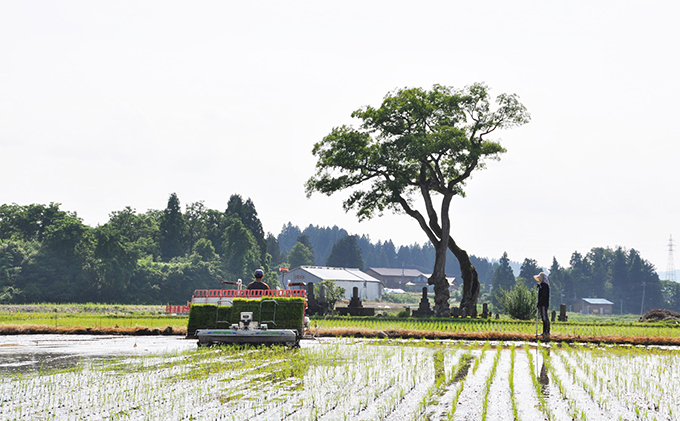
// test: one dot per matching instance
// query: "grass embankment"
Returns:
(90, 319)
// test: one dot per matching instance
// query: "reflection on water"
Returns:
(21, 353)
(543, 377)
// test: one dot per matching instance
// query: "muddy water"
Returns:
(35, 352)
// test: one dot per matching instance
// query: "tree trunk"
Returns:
(441, 284)
(470, 280)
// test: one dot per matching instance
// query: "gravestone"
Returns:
(355, 307)
(424, 309)
(485, 311)
(316, 306)
(563, 313)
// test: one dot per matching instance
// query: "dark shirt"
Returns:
(543, 294)
(257, 285)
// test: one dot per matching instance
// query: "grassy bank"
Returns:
(94, 316)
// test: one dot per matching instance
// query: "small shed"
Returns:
(594, 306)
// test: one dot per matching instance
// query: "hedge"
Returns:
(290, 313)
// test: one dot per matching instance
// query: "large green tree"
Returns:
(503, 278)
(418, 142)
(527, 271)
(174, 233)
(300, 255)
(346, 253)
(245, 211)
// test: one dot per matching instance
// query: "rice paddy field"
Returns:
(355, 379)
(589, 330)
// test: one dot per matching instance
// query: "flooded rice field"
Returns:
(169, 378)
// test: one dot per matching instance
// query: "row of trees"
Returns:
(161, 256)
(619, 275)
(47, 254)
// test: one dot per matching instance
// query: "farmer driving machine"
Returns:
(255, 317)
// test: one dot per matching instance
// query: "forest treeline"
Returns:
(160, 256)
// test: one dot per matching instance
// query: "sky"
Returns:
(105, 105)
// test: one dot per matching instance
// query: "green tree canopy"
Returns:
(241, 253)
(174, 232)
(527, 271)
(245, 211)
(300, 255)
(418, 142)
(503, 278)
(346, 253)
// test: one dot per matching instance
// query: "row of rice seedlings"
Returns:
(489, 379)
(574, 411)
(511, 382)
(542, 404)
(486, 347)
(461, 371)
(443, 380)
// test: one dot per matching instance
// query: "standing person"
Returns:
(257, 283)
(544, 302)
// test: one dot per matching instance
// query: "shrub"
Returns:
(519, 302)
(406, 298)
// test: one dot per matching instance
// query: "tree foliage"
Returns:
(300, 255)
(417, 142)
(503, 277)
(346, 253)
(518, 302)
(334, 293)
(174, 231)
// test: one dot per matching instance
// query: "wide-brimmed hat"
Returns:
(540, 277)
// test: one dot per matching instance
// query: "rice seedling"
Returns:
(543, 406)
(511, 383)
(489, 380)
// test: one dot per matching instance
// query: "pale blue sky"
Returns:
(107, 105)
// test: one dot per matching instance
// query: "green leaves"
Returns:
(416, 139)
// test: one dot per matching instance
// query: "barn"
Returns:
(369, 288)
(594, 306)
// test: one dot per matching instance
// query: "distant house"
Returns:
(370, 288)
(417, 284)
(394, 277)
(594, 306)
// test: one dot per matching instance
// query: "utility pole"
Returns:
(670, 268)
(642, 304)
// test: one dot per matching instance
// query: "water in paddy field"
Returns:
(46, 352)
(169, 378)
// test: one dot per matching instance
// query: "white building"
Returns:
(369, 288)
